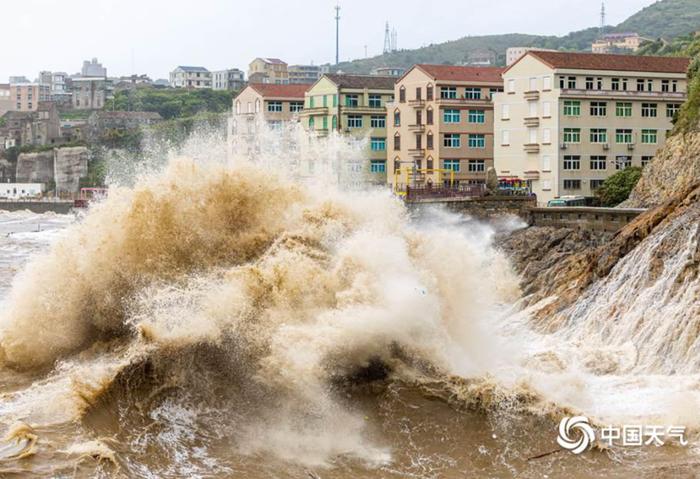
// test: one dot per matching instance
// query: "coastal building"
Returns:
(513, 53)
(190, 77)
(268, 70)
(618, 43)
(355, 105)
(274, 104)
(101, 124)
(90, 93)
(306, 74)
(26, 96)
(93, 68)
(39, 127)
(230, 79)
(6, 103)
(567, 121)
(441, 126)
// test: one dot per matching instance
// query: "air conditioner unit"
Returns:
(606, 146)
(563, 146)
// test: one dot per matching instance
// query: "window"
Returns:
(275, 124)
(572, 184)
(334, 122)
(354, 121)
(649, 137)
(546, 109)
(622, 162)
(572, 163)
(547, 185)
(532, 135)
(650, 85)
(595, 184)
(599, 135)
(451, 116)
(562, 82)
(546, 163)
(311, 102)
(646, 160)
(397, 118)
(533, 84)
(477, 141)
(352, 100)
(599, 83)
(546, 136)
(615, 84)
(599, 163)
(624, 84)
(547, 83)
(511, 86)
(623, 109)
(505, 112)
(532, 109)
(397, 142)
(419, 141)
(477, 166)
(429, 116)
(640, 84)
(674, 86)
(296, 106)
(335, 100)
(599, 108)
(325, 101)
(451, 165)
(325, 122)
(665, 86)
(429, 142)
(429, 92)
(375, 101)
(571, 83)
(477, 116)
(378, 144)
(377, 166)
(312, 123)
(429, 163)
(505, 137)
(402, 94)
(572, 135)
(623, 136)
(274, 106)
(589, 83)
(493, 91)
(377, 121)
(672, 109)
(451, 140)
(448, 92)
(472, 93)
(572, 108)
(419, 93)
(649, 110)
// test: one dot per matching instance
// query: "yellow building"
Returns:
(441, 126)
(567, 121)
(268, 70)
(354, 105)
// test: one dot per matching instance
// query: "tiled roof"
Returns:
(372, 82)
(598, 61)
(194, 69)
(276, 61)
(269, 90)
(463, 73)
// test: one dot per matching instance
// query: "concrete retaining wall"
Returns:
(58, 207)
(482, 207)
(594, 219)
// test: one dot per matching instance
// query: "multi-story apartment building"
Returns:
(26, 96)
(5, 98)
(90, 93)
(306, 73)
(612, 42)
(357, 106)
(441, 125)
(274, 104)
(93, 68)
(190, 77)
(567, 121)
(231, 79)
(268, 70)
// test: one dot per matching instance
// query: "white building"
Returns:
(17, 191)
(190, 77)
(230, 79)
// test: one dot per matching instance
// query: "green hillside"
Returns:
(666, 18)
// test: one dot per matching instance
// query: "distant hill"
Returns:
(665, 18)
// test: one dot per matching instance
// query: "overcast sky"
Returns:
(154, 36)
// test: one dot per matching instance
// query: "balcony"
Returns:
(417, 128)
(657, 95)
(482, 102)
(317, 110)
(533, 95)
(531, 175)
(531, 121)
(416, 152)
(420, 103)
(363, 110)
(531, 147)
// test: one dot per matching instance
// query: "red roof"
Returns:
(466, 74)
(598, 61)
(270, 90)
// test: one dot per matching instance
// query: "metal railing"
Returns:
(456, 191)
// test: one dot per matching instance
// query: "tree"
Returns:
(617, 188)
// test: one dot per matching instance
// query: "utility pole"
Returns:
(602, 17)
(337, 34)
